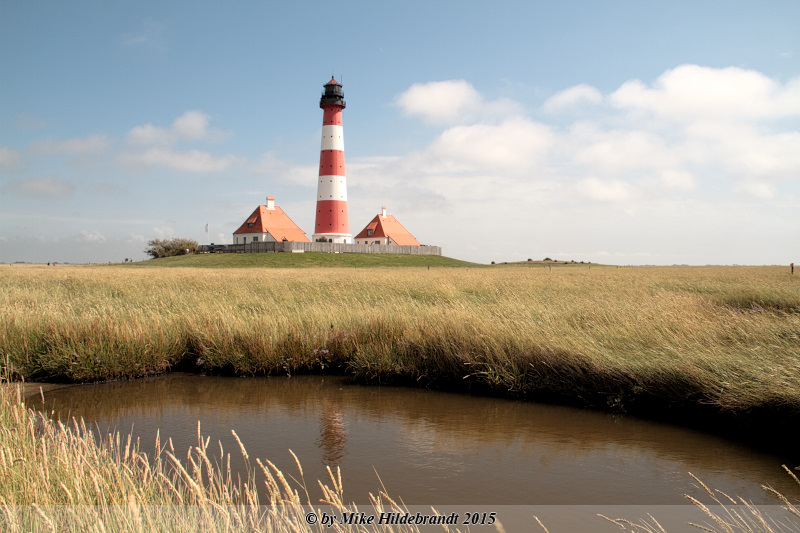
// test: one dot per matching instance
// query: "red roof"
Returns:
(388, 226)
(333, 82)
(272, 221)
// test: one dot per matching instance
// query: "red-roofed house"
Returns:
(268, 223)
(385, 229)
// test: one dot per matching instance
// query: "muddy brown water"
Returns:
(427, 447)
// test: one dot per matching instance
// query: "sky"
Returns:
(618, 132)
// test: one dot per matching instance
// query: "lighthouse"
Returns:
(331, 221)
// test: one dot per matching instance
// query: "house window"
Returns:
(251, 224)
(369, 231)
(377, 242)
(255, 239)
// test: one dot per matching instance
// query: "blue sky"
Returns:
(622, 132)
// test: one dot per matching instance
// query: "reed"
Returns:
(720, 339)
(727, 514)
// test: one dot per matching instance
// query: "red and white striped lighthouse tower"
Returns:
(331, 222)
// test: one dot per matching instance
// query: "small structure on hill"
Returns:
(268, 223)
(385, 229)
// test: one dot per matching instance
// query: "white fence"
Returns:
(326, 247)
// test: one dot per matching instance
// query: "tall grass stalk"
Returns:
(57, 477)
(727, 514)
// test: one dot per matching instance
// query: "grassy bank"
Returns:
(304, 260)
(716, 340)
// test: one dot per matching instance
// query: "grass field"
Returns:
(716, 341)
(723, 340)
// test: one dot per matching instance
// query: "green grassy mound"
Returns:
(304, 260)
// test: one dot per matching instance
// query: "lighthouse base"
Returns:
(338, 238)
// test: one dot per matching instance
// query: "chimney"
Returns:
(270, 203)
(383, 211)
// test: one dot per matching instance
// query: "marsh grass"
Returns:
(719, 339)
(724, 340)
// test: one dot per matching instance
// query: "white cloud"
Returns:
(157, 145)
(691, 93)
(439, 101)
(41, 187)
(614, 151)
(88, 145)
(618, 156)
(451, 102)
(678, 179)
(283, 170)
(149, 134)
(515, 146)
(604, 190)
(742, 152)
(756, 189)
(164, 232)
(573, 97)
(91, 237)
(10, 158)
(763, 155)
(191, 126)
(191, 160)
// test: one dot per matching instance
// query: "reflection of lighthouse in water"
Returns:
(332, 433)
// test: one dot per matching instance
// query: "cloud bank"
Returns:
(697, 165)
(40, 187)
(150, 145)
(637, 162)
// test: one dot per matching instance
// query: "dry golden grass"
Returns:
(722, 337)
(728, 338)
(728, 514)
